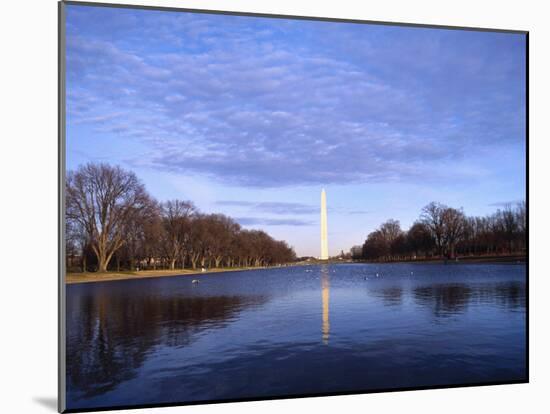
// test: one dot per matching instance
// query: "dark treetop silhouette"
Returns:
(444, 232)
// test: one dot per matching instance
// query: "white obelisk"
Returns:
(324, 235)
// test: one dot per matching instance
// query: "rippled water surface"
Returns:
(296, 330)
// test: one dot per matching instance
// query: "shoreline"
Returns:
(92, 277)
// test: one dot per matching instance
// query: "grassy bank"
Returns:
(89, 277)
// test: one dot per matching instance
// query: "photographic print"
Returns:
(257, 207)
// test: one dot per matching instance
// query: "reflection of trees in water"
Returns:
(392, 295)
(449, 299)
(110, 335)
(509, 295)
(445, 299)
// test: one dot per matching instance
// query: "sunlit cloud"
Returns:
(271, 103)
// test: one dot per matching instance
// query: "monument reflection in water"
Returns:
(325, 292)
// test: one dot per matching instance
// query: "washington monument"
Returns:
(324, 235)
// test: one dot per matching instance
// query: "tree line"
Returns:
(446, 232)
(113, 223)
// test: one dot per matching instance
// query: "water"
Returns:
(289, 331)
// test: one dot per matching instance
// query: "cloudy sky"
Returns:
(252, 117)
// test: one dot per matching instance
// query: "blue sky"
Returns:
(252, 117)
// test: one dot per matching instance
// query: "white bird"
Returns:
(195, 281)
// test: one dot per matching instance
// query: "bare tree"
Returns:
(243, 248)
(420, 239)
(450, 232)
(391, 230)
(260, 247)
(453, 228)
(77, 243)
(509, 225)
(104, 200)
(199, 241)
(432, 217)
(375, 246)
(176, 223)
(221, 229)
(521, 218)
(142, 240)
